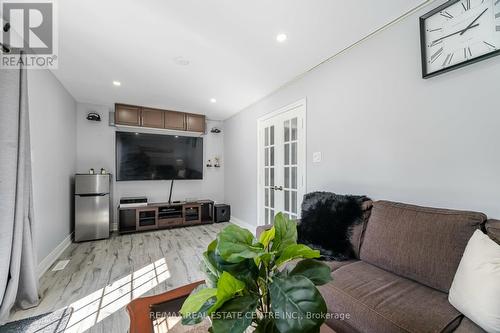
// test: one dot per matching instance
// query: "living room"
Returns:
(309, 166)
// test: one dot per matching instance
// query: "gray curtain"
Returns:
(18, 263)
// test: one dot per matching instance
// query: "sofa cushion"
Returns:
(475, 290)
(334, 265)
(493, 230)
(420, 243)
(379, 301)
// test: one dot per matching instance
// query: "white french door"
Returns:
(281, 162)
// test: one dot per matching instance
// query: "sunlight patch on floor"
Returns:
(95, 307)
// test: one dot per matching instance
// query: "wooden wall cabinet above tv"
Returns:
(152, 118)
(131, 115)
(128, 115)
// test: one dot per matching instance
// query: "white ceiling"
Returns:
(231, 46)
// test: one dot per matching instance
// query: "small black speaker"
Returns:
(222, 213)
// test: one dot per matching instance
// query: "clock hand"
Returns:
(455, 33)
(470, 25)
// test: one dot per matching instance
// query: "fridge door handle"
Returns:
(93, 195)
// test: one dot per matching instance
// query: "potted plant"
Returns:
(249, 283)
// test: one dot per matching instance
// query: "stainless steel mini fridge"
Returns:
(92, 207)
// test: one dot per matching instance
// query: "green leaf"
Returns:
(266, 258)
(212, 246)
(210, 267)
(316, 271)
(267, 236)
(266, 325)
(197, 317)
(195, 306)
(211, 273)
(296, 251)
(285, 232)
(245, 271)
(317, 329)
(235, 244)
(227, 287)
(297, 304)
(209, 264)
(235, 315)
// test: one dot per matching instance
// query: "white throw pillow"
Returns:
(475, 290)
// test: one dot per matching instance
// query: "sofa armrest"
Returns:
(262, 228)
(493, 229)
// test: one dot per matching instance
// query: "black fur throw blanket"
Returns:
(327, 221)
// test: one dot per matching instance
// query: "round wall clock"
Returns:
(458, 33)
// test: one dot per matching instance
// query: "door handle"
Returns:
(280, 188)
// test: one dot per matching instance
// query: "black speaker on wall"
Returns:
(222, 213)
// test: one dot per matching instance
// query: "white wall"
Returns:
(383, 130)
(96, 149)
(53, 143)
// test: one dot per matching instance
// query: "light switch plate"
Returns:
(317, 157)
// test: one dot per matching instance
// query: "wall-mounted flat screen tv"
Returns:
(142, 156)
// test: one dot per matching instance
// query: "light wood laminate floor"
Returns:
(103, 276)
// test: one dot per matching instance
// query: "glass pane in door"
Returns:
(290, 180)
(269, 174)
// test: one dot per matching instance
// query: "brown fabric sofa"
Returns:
(493, 230)
(407, 257)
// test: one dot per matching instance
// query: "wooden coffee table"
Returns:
(146, 313)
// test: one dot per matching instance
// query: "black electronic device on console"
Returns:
(133, 202)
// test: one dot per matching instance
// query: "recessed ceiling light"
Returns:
(117, 83)
(281, 38)
(213, 100)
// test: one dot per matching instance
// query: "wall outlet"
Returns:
(317, 157)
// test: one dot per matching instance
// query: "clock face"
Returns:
(461, 31)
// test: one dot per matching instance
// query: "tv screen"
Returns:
(141, 156)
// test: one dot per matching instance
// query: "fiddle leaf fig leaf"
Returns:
(296, 297)
(196, 305)
(211, 272)
(235, 315)
(212, 246)
(265, 258)
(227, 287)
(285, 232)
(297, 251)
(245, 271)
(267, 236)
(316, 271)
(266, 325)
(235, 244)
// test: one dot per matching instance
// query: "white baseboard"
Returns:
(46, 262)
(252, 228)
